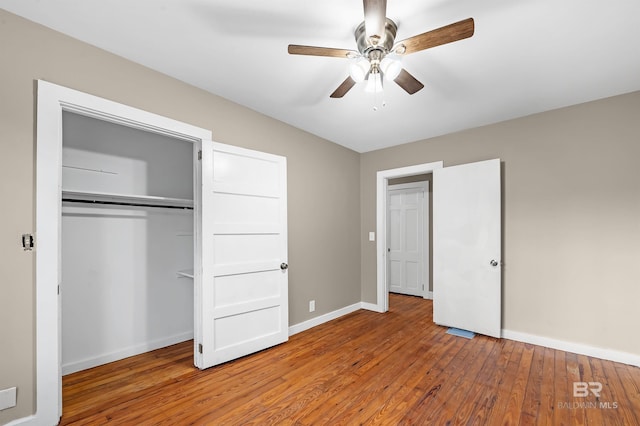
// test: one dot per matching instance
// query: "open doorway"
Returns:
(383, 180)
(466, 243)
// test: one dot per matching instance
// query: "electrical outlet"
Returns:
(312, 305)
(7, 398)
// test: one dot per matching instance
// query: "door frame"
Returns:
(52, 100)
(382, 184)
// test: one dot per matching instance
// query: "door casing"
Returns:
(52, 101)
(382, 184)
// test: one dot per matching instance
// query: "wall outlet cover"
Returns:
(7, 398)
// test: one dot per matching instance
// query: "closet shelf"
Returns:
(188, 273)
(121, 199)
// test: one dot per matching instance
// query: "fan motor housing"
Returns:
(366, 45)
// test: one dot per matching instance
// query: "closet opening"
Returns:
(127, 241)
(135, 212)
(103, 179)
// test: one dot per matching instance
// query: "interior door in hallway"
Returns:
(467, 246)
(407, 237)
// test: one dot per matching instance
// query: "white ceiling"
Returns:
(526, 56)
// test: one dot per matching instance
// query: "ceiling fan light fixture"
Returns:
(374, 83)
(358, 69)
(390, 66)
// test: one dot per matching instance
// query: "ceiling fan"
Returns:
(378, 54)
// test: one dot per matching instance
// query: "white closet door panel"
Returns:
(245, 268)
(245, 308)
(234, 289)
(236, 329)
(233, 249)
(242, 289)
(241, 173)
(239, 209)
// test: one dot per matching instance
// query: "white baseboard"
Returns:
(371, 307)
(578, 348)
(29, 420)
(306, 325)
(72, 367)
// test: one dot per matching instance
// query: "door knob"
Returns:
(283, 266)
(493, 262)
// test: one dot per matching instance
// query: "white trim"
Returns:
(313, 322)
(371, 307)
(578, 348)
(382, 182)
(125, 353)
(607, 354)
(52, 101)
(429, 295)
(30, 420)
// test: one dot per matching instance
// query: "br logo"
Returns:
(582, 389)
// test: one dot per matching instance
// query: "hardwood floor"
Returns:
(363, 368)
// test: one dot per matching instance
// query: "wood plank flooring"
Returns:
(363, 368)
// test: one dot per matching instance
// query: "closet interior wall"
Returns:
(121, 291)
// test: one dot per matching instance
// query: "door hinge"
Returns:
(27, 242)
(200, 347)
(58, 290)
(200, 155)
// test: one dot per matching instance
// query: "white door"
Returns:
(467, 247)
(407, 251)
(241, 294)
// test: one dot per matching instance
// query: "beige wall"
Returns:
(571, 199)
(571, 217)
(323, 179)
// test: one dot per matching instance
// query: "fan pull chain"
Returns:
(375, 97)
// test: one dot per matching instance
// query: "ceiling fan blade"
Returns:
(375, 16)
(408, 82)
(343, 88)
(443, 35)
(296, 49)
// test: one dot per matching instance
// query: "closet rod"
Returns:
(120, 203)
